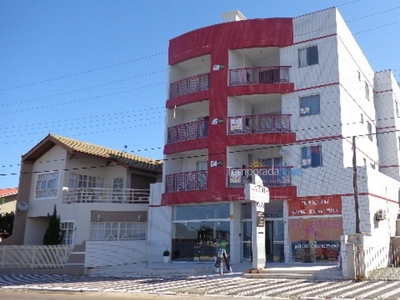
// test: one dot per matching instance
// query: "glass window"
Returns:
(202, 212)
(118, 231)
(366, 90)
(369, 128)
(308, 56)
(311, 156)
(67, 230)
(309, 105)
(47, 185)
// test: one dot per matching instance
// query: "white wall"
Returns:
(159, 225)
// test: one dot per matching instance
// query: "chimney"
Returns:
(232, 16)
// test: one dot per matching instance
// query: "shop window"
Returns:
(308, 56)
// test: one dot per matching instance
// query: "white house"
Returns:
(101, 195)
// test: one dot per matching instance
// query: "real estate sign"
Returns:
(258, 194)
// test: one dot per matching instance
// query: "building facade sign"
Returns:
(315, 206)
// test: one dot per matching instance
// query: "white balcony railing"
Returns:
(103, 195)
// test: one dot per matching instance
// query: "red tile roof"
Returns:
(8, 192)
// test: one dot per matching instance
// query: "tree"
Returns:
(53, 234)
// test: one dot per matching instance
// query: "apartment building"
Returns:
(288, 99)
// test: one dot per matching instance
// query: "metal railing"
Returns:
(266, 123)
(257, 75)
(188, 131)
(189, 85)
(103, 195)
(188, 181)
(34, 256)
(271, 176)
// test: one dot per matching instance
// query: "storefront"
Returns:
(199, 231)
(315, 227)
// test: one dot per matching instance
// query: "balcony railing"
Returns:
(268, 123)
(258, 75)
(189, 85)
(271, 176)
(103, 195)
(188, 181)
(188, 131)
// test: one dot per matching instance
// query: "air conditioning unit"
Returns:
(380, 215)
(304, 110)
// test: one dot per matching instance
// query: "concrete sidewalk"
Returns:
(188, 269)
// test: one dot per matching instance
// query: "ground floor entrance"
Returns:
(199, 231)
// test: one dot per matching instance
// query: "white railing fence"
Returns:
(34, 256)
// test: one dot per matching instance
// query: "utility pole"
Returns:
(355, 186)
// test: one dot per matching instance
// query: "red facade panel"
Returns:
(277, 32)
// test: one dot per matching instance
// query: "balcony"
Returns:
(188, 131)
(103, 195)
(267, 123)
(188, 181)
(258, 75)
(271, 176)
(189, 85)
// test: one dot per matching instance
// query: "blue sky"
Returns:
(97, 70)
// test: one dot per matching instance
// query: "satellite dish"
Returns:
(22, 206)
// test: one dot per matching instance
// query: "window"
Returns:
(366, 90)
(85, 188)
(47, 185)
(311, 156)
(67, 230)
(396, 104)
(369, 128)
(359, 75)
(118, 186)
(308, 56)
(201, 165)
(118, 231)
(309, 105)
(362, 119)
(82, 181)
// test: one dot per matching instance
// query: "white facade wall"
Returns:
(159, 225)
(387, 95)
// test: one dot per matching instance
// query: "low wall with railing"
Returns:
(34, 256)
(114, 253)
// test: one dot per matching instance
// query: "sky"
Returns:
(96, 71)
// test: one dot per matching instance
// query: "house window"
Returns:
(83, 181)
(67, 230)
(85, 188)
(46, 185)
(366, 90)
(369, 128)
(362, 119)
(118, 231)
(396, 104)
(311, 157)
(309, 105)
(359, 75)
(308, 56)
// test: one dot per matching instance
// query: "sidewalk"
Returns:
(189, 269)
